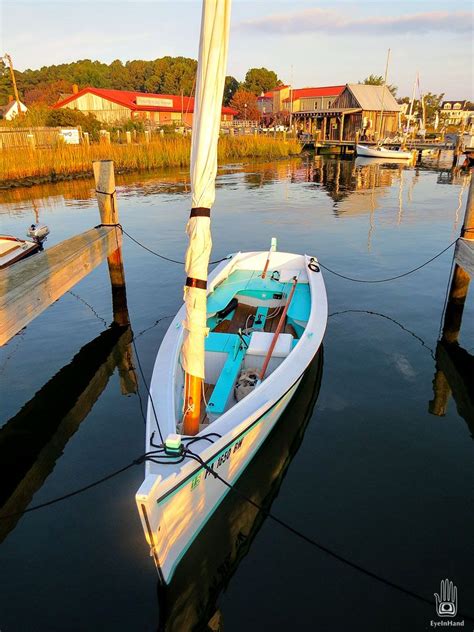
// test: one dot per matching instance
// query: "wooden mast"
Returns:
(210, 80)
(379, 141)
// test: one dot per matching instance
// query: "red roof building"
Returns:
(310, 99)
(117, 106)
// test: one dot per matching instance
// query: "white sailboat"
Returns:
(379, 151)
(234, 354)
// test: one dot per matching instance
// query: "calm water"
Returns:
(357, 463)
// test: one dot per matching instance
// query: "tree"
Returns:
(377, 80)
(230, 88)
(258, 80)
(47, 93)
(432, 103)
(245, 103)
(65, 117)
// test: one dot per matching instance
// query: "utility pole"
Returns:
(15, 89)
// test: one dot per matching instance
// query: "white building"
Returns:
(11, 109)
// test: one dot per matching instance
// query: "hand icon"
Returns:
(447, 601)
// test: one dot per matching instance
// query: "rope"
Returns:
(389, 318)
(157, 254)
(398, 276)
(315, 543)
(156, 456)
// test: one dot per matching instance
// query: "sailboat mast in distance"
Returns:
(212, 64)
(383, 96)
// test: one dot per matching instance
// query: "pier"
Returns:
(32, 285)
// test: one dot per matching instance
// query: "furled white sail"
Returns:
(213, 47)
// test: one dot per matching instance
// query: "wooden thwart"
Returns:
(30, 286)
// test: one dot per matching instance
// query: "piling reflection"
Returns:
(454, 373)
(34, 439)
(190, 601)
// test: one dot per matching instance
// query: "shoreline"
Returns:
(71, 162)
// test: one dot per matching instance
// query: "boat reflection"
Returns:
(190, 601)
(34, 439)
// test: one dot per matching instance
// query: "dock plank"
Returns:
(464, 255)
(30, 286)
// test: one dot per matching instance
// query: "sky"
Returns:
(307, 43)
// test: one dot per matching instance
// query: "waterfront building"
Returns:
(456, 112)
(357, 109)
(311, 99)
(119, 106)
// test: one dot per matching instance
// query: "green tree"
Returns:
(432, 103)
(65, 117)
(230, 88)
(377, 80)
(258, 80)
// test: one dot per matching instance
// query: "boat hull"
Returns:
(173, 520)
(13, 249)
(372, 152)
(178, 495)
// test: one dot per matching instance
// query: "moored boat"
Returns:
(12, 249)
(382, 152)
(235, 353)
(179, 495)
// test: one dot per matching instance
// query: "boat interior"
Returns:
(243, 313)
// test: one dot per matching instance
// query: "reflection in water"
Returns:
(454, 371)
(190, 601)
(34, 439)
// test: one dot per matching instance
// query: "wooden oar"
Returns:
(267, 263)
(277, 331)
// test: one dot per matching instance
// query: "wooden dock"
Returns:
(349, 145)
(30, 286)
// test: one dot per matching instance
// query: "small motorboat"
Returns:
(13, 249)
(382, 152)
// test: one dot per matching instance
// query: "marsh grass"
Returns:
(65, 161)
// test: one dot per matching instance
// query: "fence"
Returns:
(11, 137)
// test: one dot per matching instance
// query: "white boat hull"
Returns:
(381, 152)
(176, 498)
(13, 249)
(178, 516)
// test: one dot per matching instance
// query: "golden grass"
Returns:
(65, 161)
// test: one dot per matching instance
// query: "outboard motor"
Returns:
(38, 233)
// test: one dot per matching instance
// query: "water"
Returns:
(367, 471)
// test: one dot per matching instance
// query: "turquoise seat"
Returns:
(245, 283)
(232, 345)
(226, 291)
(300, 307)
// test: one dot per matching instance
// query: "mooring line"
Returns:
(398, 276)
(389, 318)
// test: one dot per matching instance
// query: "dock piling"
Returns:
(104, 176)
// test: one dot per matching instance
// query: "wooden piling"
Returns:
(147, 137)
(462, 272)
(107, 200)
(128, 136)
(85, 138)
